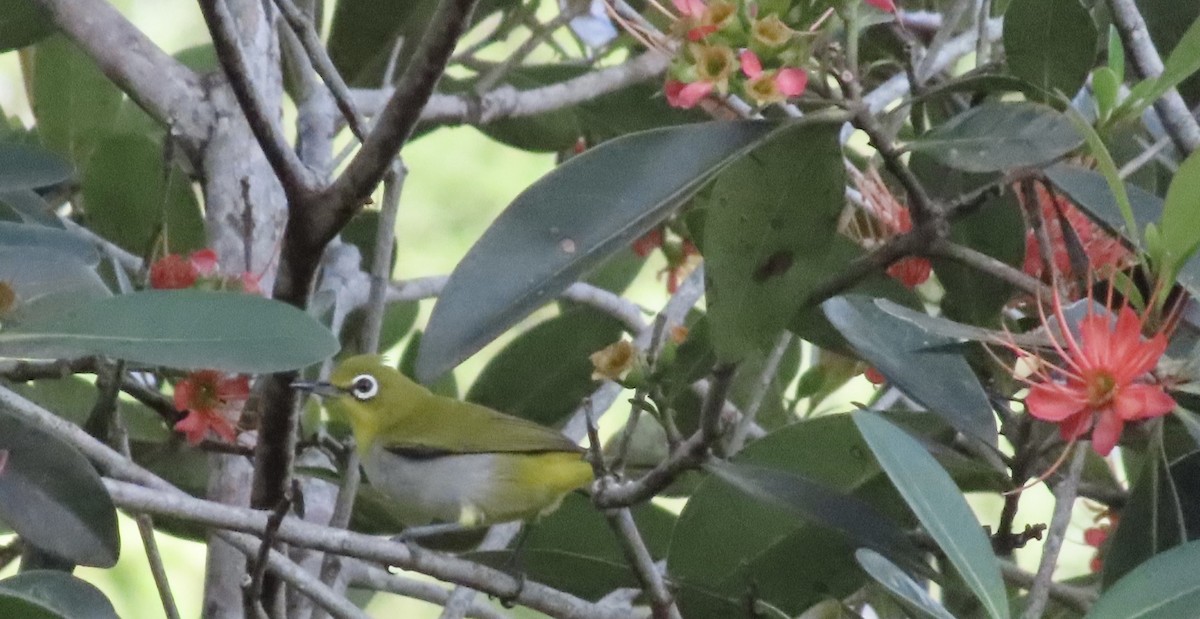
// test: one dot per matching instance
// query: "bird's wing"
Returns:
(448, 426)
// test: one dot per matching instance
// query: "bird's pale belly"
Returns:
(441, 489)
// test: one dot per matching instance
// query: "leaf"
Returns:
(1151, 523)
(998, 136)
(30, 207)
(1180, 225)
(29, 167)
(766, 553)
(24, 236)
(447, 385)
(568, 222)
(184, 329)
(917, 362)
(74, 103)
(22, 22)
(940, 507)
(581, 575)
(52, 497)
(128, 201)
(545, 373)
(1179, 66)
(1050, 43)
(901, 585)
(1164, 586)
(812, 501)
(44, 593)
(758, 233)
(46, 282)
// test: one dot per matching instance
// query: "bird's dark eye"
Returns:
(364, 387)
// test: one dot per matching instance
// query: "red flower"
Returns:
(204, 261)
(648, 242)
(1097, 537)
(1102, 249)
(250, 283)
(883, 5)
(213, 401)
(912, 271)
(1103, 378)
(874, 376)
(890, 218)
(172, 272)
(686, 96)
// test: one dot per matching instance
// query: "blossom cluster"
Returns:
(212, 399)
(739, 46)
(682, 255)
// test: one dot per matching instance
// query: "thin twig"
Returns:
(765, 378)
(381, 261)
(518, 55)
(365, 576)
(662, 602)
(1064, 499)
(987, 264)
(639, 397)
(343, 509)
(253, 589)
(1078, 598)
(292, 173)
(323, 64)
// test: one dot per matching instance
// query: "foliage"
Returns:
(1007, 250)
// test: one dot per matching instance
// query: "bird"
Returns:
(446, 462)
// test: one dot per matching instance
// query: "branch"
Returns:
(987, 264)
(381, 262)
(366, 576)
(293, 175)
(323, 64)
(661, 600)
(169, 92)
(339, 202)
(1077, 598)
(293, 531)
(1064, 499)
(1178, 120)
(508, 102)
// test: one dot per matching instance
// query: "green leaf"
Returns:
(1152, 521)
(856, 519)
(1164, 586)
(45, 593)
(1180, 217)
(22, 22)
(46, 281)
(572, 219)
(1050, 43)
(30, 207)
(758, 233)
(178, 328)
(52, 497)
(74, 103)
(74, 397)
(998, 136)
(447, 385)
(128, 201)
(920, 363)
(1179, 66)
(581, 575)
(767, 553)
(545, 373)
(940, 507)
(24, 236)
(901, 585)
(364, 32)
(578, 527)
(29, 167)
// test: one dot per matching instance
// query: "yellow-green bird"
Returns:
(444, 460)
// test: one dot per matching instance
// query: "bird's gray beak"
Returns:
(319, 388)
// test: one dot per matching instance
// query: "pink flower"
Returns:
(213, 401)
(767, 87)
(689, 8)
(1103, 377)
(686, 96)
(887, 6)
(204, 261)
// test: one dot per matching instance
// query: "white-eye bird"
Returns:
(445, 460)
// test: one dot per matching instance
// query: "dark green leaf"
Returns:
(52, 497)
(1050, 43)
(584, 576)
(770, 212)
(22, 22)
(940, 507)
(74, 103)
(447, 385)
(178, 328)
(766, 554)
(42, 593)
(1152, 522)
(522, 380)
(73, 398)
(398, 320)
(364, 32)
(916, 361)
(1000, 135)
(568, 222)
(1164, 586)
(855, 518)
(23, 236)
(29, 167)
(128, 201)
(901, 585)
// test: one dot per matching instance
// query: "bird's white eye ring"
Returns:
(364, 387)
